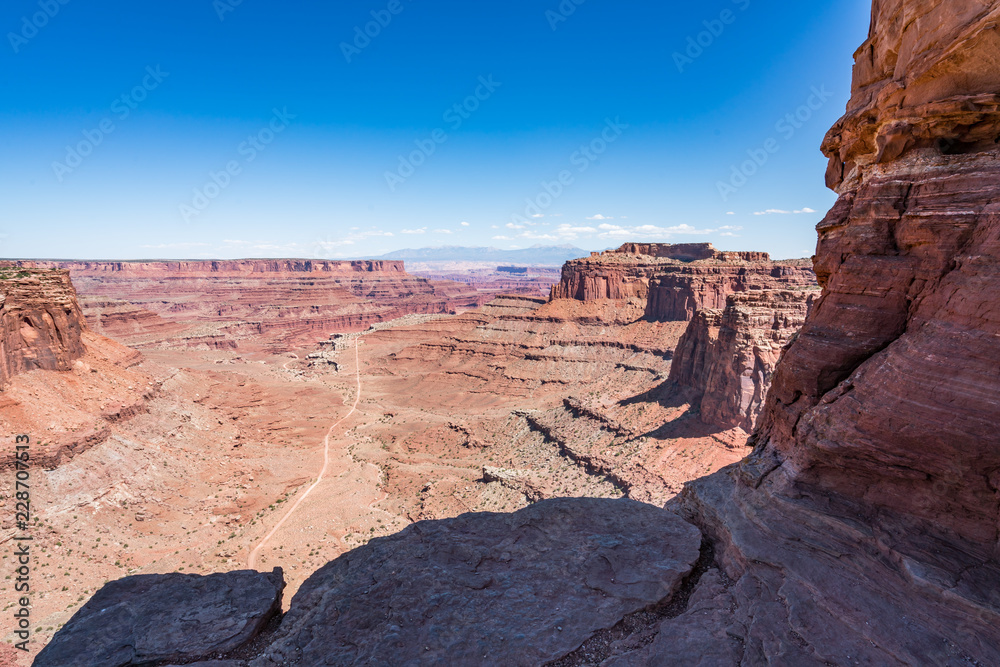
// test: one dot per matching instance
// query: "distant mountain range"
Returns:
(538, 255)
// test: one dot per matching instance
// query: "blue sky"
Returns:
(227, 129)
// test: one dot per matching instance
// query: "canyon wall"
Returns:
(675, 281)
(728, 356)
(40, 321)
(230, 304)
(865, 527)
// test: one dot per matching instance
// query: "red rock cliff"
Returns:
(675, 281)
(41, 321)
(865, 528)
(729, 356)
(277, 302)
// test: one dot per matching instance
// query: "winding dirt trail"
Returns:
(252, 561)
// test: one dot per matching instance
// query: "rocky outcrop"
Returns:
(678, 295)
(729, 356)
(865, 528)
(159, 618)
(675, 281)
(517, 589)
(40, 322)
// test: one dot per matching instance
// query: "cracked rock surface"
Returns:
(502, 589)
(157, 618)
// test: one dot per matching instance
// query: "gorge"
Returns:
(683, 456)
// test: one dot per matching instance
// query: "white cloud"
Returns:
(730, 212)
(502, 238)
(443, 231)
(513, 225)
(323, 247)
(538, 215)
(422, 230)
(464, 224)
(599, 217)
(778, 211)
(164, 246)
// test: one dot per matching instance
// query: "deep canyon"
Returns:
(682, 456)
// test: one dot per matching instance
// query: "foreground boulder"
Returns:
(153, 619)
(500, 589)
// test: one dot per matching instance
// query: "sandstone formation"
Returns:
(40, 322)
(518, 589)
(153, 619)
(865, 528)
(277, 303)
(675, 281)
(729, 356)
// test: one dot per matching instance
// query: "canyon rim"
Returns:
(657, 454)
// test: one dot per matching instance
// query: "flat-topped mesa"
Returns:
(675, 281)
(40, 321)
(689, 252)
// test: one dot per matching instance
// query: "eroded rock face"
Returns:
(152, 619)
(865, 528)
(675, 281)
(729, 356)
(513, 589)
(40, 322)
(226, 304)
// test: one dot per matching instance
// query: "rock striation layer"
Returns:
(675, 281)
(865, 528)
(40, 322)
(227, 304)
(729, 356)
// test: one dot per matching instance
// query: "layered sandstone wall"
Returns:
(675, 281)
(871, 504)
(221, 267)
(897, 365)
(728, 356)
(276, 302)
(40, 322)
(677, 295)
